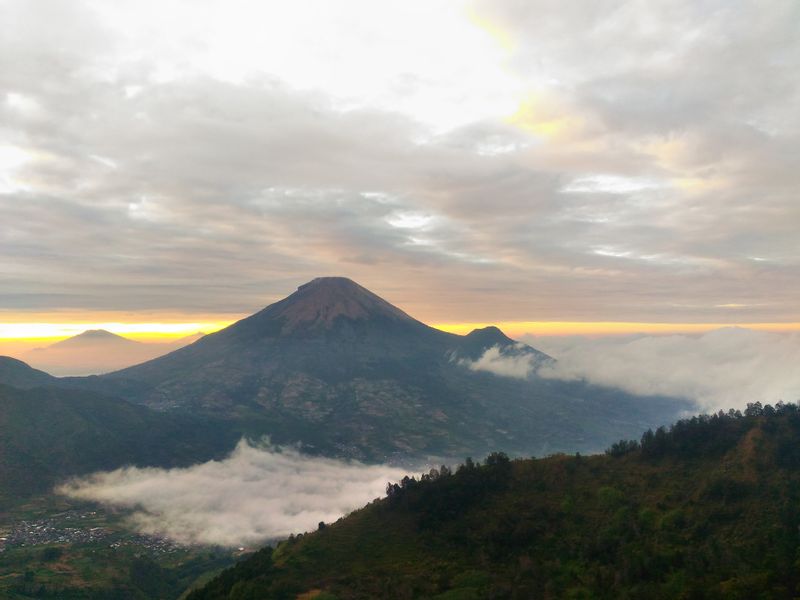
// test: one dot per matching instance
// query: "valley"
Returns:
(332, 369)
(52, 547)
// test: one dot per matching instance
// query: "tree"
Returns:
(754, 409)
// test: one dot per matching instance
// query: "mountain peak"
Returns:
(476, 342)
(97, 334)
(490, 335)
(320, 302)
(93, 336)
(335, 281)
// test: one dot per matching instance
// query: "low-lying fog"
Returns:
(255, 494)
(264, 492)
(721, 369)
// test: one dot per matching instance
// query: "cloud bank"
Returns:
(506, 364)
(255, 494)
(626, 161)
(725, 368)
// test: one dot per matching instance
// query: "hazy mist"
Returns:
(724, 368)
(255, 494)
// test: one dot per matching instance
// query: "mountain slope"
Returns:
(19, 374)
(346, 373)
(92, 338)
(708, 510)
(477, 341)
(49, 434)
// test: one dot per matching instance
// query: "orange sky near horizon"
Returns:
(170, 328)
(607, 328)
(530, 173)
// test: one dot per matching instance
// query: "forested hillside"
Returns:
(49, 434)
(707, 509)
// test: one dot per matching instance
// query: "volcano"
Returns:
(343, 372)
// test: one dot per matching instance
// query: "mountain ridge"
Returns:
(50, 433)
(342, 372)
(16, 373)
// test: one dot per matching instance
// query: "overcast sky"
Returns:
(470, 161)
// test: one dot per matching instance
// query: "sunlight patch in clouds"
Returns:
(11, 159)
(214, 104)
(356, 51)
(409, 220)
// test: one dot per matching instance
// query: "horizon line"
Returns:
(154, 331)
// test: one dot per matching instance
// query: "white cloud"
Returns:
(725, 368)
(358, 52)
(626, 183)
(253, 495)
(611, 184)
(494, 360)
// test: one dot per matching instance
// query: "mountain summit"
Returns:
(321, 301)
(93, 337)
(342, 371)
(324, 304)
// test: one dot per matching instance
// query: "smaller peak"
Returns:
(97, 333)
(92, 336)
(489, 329)
(488, 334)
(478, 341)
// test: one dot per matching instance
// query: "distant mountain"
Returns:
(48, 434)
(99, 351)
(344, 372)
(92, 338)
(708, 510)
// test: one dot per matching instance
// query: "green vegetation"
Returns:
(707, 509)
(49, 434)
(95, 571)
(117, 565)
(17, 373)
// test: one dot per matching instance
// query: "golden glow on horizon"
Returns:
(165, 332)
(554, 328)
(138, 331)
